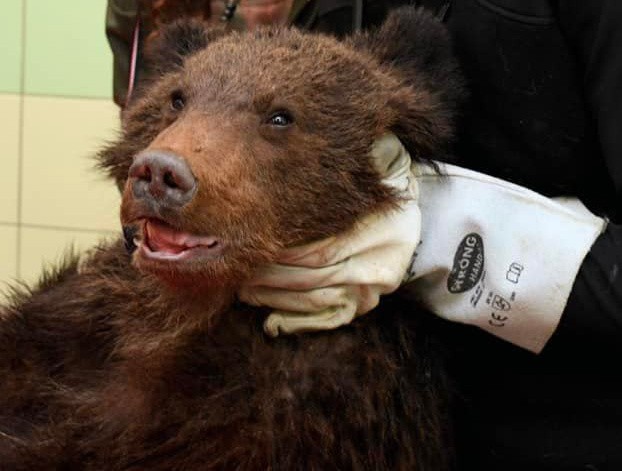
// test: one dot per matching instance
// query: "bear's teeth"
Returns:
(162, 238)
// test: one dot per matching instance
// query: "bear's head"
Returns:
(247, 143)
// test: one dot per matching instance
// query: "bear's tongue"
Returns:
(163, 238)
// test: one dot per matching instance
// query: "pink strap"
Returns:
(133, 60)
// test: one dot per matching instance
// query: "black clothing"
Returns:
(546, 106)
(545, 112)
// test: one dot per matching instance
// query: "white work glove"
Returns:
(328, 283)
(497, 255)
(492, 254)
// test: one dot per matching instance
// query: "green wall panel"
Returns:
(66, 49)
(10, 45)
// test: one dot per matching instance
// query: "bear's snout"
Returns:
(163, 178)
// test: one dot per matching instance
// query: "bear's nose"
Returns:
(163, 177)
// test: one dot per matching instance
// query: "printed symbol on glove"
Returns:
(497, 320)
(500, 304)
(468, 264)
(514, 272)
(477, 295)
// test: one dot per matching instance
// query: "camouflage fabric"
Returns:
(121, 22)
(120, 25)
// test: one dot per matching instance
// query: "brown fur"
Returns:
(129, 364)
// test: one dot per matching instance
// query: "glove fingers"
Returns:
(383, 266)
(373, 231)
(394, 228)
(296, 278)
(316, 254)
(314, 300)
(280, 322)
(392, 161)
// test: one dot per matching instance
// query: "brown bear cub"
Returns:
(244, 144)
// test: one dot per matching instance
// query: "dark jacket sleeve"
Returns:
(594, 309)
(120, 25)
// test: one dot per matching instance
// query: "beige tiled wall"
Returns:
(55, 111)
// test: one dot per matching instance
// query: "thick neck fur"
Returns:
(174, 315)
(149, 316)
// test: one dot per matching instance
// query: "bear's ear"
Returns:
(423, 123)
(414, 47)
(166, 50)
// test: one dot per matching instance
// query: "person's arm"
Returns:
(594, 308)
(491, 254)
(592, 303)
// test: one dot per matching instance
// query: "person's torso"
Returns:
(526, 120)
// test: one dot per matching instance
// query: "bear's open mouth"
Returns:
(163, 242)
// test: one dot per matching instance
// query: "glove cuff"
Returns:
(497, 255)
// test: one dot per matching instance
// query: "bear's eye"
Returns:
(281, 119)
(177, 101)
